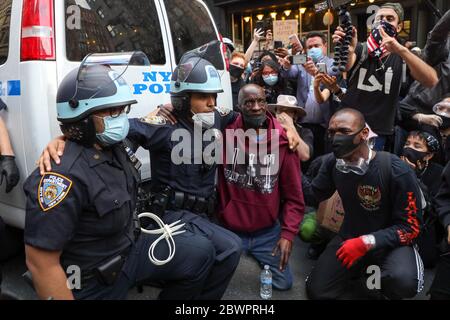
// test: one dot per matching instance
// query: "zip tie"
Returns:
(167, 232)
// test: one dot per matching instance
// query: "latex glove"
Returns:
(351, 251)
(9, 171)
(430, 119)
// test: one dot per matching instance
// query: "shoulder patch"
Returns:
(155, 120)
(52, 190)
(223, 111)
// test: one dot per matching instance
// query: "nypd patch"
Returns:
(52, 190)
(155, 120)
(223, 111)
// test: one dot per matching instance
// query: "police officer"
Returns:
(186, 191)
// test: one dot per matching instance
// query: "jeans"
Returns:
(260, 245)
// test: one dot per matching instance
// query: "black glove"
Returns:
(8, 169)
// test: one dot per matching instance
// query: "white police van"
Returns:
(43, 40)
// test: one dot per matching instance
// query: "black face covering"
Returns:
(343, 144)
(413, 155)
(235, 71)
(254, 122)
(445, 123)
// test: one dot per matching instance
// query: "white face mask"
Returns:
(206, 119)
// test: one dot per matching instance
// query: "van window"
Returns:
(191, 26)
(113, 26)
(5, 18)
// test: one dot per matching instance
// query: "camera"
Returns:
(264, 25)
(297, 59)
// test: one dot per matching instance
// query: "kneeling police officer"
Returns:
(80, 216)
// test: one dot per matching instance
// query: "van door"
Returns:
(190, 26)
(89, 26)
(11, 92)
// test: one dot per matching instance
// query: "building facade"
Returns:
(236, 19)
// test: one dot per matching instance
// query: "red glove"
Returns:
(352, 250)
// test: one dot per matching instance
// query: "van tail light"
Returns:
(38, 30)
(225, 53)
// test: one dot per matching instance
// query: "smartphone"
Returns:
(260, 25)
(322, 67)
(299, 59)
(278, 44)
(293, 38)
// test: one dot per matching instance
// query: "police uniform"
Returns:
(190, 189)
(85, 209)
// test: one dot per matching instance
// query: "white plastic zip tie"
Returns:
(167, 232)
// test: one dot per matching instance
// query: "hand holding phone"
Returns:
(322, 67)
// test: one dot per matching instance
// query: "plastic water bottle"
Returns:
(266, 283)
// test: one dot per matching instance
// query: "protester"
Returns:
(261, 198)
(419, 151)
(376, 70)
(289, 113)
(440, 289)
(382, 205)
(238, 64)
(270, 79)
(318, 114)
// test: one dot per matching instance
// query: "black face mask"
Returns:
(235, 71)
(445, 123)
(414, 156)
(253, 122)
(343, 144)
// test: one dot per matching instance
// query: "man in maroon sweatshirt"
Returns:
(259, 187)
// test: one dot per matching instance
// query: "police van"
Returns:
(41, 41)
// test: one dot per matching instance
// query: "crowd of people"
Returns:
(376, 136)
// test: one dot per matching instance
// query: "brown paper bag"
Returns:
(330, 213)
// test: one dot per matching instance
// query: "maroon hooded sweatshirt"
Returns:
(254, 194)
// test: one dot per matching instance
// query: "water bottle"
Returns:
(266, 283)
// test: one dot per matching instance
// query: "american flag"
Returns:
(373, 45)
(374, 40)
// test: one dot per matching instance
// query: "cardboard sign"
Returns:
(330, 213)
(282, 29)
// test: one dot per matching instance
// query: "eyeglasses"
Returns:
(260, 101)
(115, 112)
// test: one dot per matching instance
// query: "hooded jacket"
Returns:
(258, 186)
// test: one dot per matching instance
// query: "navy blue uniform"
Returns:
(393, 216)
(193, 178)
(85, 209)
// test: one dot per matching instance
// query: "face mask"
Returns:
(206, 119)
(343, 144)
(414, 156)
(235, 71)
(445, 123)
(116, 129)
(271, 80)
(252, 122)
(315, 54)
(374, 39)
(359, 167)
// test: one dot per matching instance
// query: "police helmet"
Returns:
(193, 75)
(84, 91)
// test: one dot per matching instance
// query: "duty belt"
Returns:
(168, 199)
